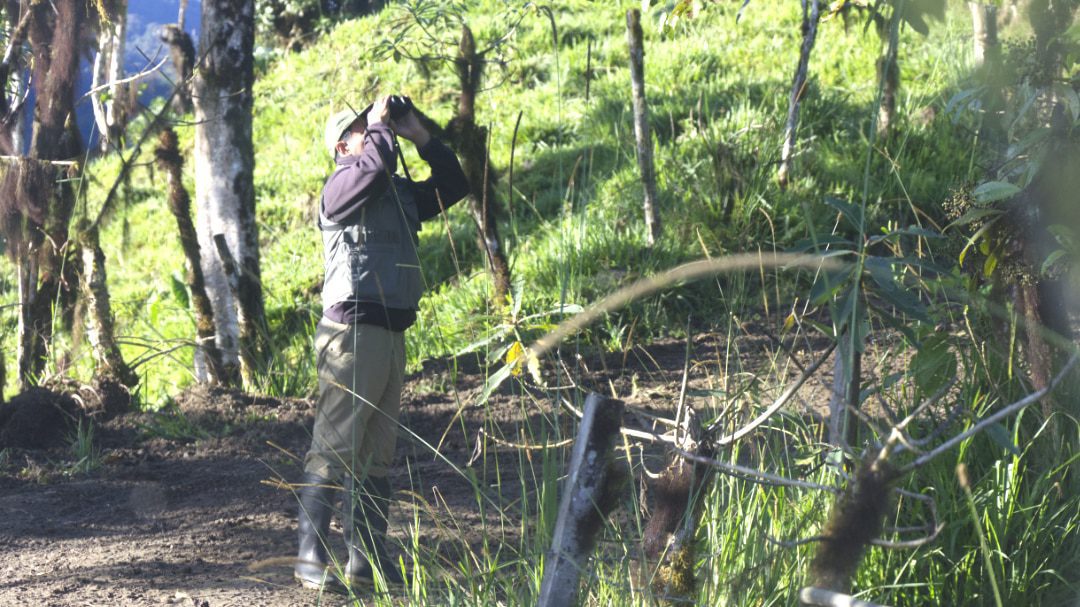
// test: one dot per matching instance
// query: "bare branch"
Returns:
(780, 402)
(131, 78)
(1030, 399)
(684, 273)
(754, 476)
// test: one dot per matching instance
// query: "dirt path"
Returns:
(182, 509)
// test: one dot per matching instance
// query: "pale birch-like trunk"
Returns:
(224, 167)
(109, 103)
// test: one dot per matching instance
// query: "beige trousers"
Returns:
(361, 369)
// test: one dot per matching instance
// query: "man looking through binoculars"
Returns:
(369, 218)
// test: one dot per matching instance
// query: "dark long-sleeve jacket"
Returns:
(363, 179)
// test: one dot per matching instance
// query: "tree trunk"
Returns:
(12, 110)
(208, 365)
(986, 48)
(101, 331)
(472, 144)
(888, 71)
(847, 371)
(224, 166)
(668, 538)
(109, 104)
(54, 37)
(29, 190)
(642, 135)
(798, 85)
(857, 517)
(588, 494)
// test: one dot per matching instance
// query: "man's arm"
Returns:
(361, 178)
(447, 184)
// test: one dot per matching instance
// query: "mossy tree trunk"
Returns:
(472, 144)
(101, 329)
(857, 517)
(208, 364)
(29, 191)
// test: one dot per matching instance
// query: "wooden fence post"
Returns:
(587, 497)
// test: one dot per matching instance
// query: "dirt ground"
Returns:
(189, 509)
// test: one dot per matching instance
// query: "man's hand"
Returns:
(380, 111)
(410, 128)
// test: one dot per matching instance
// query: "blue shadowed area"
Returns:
(143, 49)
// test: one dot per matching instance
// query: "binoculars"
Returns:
(399, 106)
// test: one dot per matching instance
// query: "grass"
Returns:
(85, 453)
(572, 228)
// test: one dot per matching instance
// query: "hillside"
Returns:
(895, 317)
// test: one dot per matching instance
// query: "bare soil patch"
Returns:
(186, 507)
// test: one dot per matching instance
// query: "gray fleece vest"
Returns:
(375, 259)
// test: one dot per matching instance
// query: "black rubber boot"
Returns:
(365, 533)
(316, 495)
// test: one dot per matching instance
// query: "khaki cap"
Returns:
(336, 126)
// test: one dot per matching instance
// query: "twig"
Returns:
(794, 543)
(754, 476)
(996, 417)
(524, 446)
(780, 402)
(132, 78)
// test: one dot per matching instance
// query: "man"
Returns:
(369, 218)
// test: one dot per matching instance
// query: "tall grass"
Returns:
(717, 91)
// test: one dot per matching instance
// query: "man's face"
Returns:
(352, 141)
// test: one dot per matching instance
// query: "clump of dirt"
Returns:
(37, 419)
(107, 397)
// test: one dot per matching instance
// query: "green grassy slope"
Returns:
(572, 225)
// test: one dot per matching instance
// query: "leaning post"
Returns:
(587, 498)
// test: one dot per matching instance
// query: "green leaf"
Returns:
(153, 308)
(179, 291)
(990, 265)
(493, 382)
(933, 365)
(828, 283)
(1000, 435)
(896, 234)
(974, 215)
(1051, 259)
(992, 191)
(806, 245)
(1068, 95)
(849, 211)
(892, 291)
